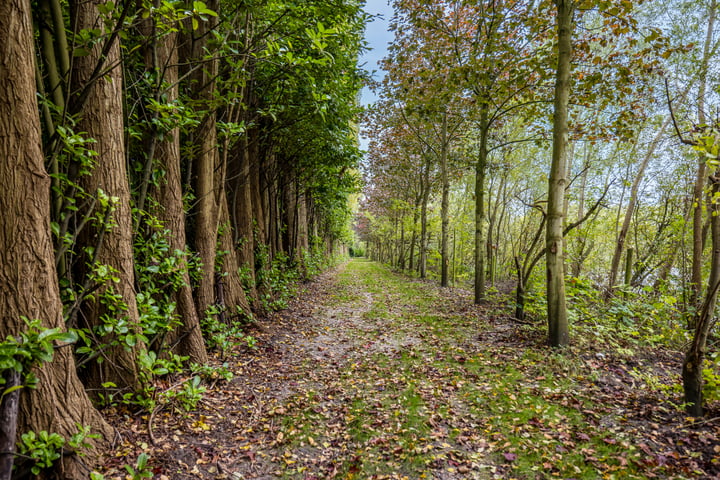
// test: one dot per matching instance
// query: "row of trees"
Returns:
(544, 130)
(198, 155)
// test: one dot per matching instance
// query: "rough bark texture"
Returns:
(28, 280)
(557, 312)
(102, 119)
(205, 163)
(303, 239)
(187, 340)
(258, 190)
(234, 294)
(242, 208)
(480, 170)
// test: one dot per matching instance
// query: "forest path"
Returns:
(374, 375)
(355, 393)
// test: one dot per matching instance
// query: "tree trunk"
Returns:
(206, 163)
(187, 339)
(9, 410)
(28, 280)
(413, 236)
(629, 212)
(445, 203)
(557, 312)
(102, 118)
(233, 292)
(242, 205)
(303, 243)
(401, 259)
(422, 264)
(480, 172)
(700, 178)
(577, 261)
(258, 190)
(695, 357)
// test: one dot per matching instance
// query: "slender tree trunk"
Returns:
(480, 172)
(700, 178)
(632, 202)
(557, 312)
(401, 260)
(303, 243)
(28, 280)
(422, 264)
(102, 118)
(445, 204)
(692, 370)
(413, 237)
(258, 190)
(577, 262)
(695, 357)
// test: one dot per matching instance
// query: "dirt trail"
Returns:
(370, 375)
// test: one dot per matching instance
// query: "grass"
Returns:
(443, 401)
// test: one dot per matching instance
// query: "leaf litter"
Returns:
(373, 375)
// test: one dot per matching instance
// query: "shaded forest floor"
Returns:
(371, 375)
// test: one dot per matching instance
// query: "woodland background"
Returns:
(172, 169)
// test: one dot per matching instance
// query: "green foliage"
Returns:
(31, 348)
(711, 377)
(45, 448)
(141, 469)
(276, 279)
(213, 373)
(191, 393)
(223, 337)
(160, 275)
(153, 366)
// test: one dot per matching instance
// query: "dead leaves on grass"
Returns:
(372, 377)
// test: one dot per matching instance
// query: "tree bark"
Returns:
(205, 160)
(242, 206)
(445, 203)
(102, 118)
(234, 294)
(187, 339)
(700, 178)
(558, 335)
(422, 263)
(28, 280)
(695, 357)
(582, 240)
(480, 172)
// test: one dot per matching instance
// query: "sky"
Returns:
(378, 38)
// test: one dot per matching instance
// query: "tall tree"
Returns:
(558, 334)
(161, 56)
(701, 175)
(107, 243)
(28, 280)
(205, 158)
